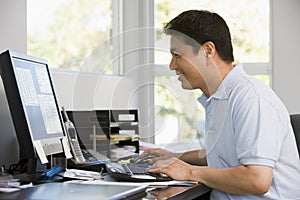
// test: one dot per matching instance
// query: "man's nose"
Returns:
(173, 64)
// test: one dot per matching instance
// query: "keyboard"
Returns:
(134, 172)
(135, 169)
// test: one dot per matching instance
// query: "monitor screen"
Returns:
(32, 102)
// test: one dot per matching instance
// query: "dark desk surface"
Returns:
(179, 193)
(72, 191)
(173, 193)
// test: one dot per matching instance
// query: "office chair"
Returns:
(295, 121)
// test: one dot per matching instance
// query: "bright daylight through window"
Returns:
(71, 34)
(179, 118)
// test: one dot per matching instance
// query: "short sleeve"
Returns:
(257, 132)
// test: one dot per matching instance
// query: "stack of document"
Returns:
(9, 182)
(125, 151)
(6, 180)
(82, 174)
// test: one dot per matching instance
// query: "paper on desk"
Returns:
(82, 174)
(13, 189)
(145, 145)
(159, 183)
(7, 190)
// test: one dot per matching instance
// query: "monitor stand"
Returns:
(34, 173)
(37, 178)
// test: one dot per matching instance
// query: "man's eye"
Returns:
(176, 55)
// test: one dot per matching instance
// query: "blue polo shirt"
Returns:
(247, 124)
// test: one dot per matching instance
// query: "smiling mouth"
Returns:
(181, 77)
(179, 74)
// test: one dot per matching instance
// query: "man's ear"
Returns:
(209, 48)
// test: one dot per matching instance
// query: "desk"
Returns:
(178, 193)
(173, 193)
(74, 191)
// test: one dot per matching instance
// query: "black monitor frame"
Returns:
(22, 124)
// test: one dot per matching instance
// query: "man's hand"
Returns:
(193, 157)
(173, 167)
(158, 154)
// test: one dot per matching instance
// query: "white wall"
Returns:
(13, 33)
(286, 52)
(93, 91)
(12, 36)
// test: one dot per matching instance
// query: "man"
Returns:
(250, 150)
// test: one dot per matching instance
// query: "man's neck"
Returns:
(218, 75)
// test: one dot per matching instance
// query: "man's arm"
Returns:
(194, 157)
(249, 179)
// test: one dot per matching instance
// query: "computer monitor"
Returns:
(33, 106)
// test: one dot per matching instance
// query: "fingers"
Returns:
(173, 167)
(158, 167)
(150, 151)
(162, 166)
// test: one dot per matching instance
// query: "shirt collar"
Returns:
(226, 86)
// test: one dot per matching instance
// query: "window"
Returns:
(80, 34)
(179, 118)
(72, 35)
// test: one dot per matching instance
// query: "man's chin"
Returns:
(184, 83)
(186, 86)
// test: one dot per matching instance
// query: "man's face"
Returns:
(189, 66)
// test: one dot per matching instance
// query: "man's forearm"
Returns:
(236, 180)
(194, 157)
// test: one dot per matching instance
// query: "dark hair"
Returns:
(200, 26)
